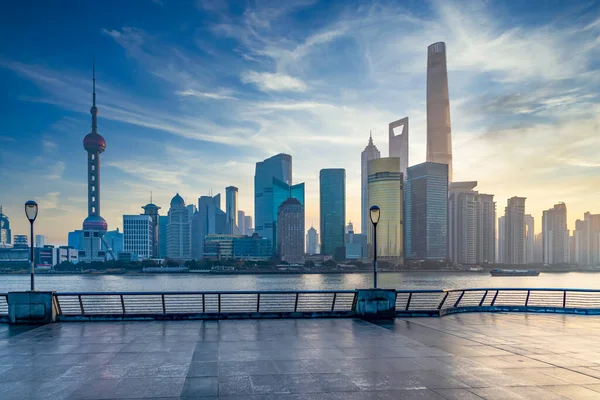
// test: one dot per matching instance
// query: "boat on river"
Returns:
(514, 272)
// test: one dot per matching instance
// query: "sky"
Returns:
(191, 94)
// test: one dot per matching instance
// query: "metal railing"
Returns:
(3, 304)
(155, 304)
(441, 302)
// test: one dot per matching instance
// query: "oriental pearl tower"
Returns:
(94, 226)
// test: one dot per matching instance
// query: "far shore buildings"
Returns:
(332, 200)
(179, 230)
(555, 235)
(290, 231)
(514, 231)
(369, 153)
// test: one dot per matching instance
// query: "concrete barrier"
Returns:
(31, 307)
(375, 304)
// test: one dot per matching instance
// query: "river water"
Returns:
(201, 282)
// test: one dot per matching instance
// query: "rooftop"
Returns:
(466, 356)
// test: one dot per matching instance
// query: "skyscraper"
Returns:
(248, 225)
(555, 235)
(399, 143)
(5, 234)
(138, 235)
(40, 240)
(209, 220)
(179, 230)
(163, 223)
(241, 221)
(514, 231)
(501, 253)
(369, 153)
(529, 239)
(587, 240)
(486, 228)
(290, 231)
(462, 223)
(439, 139)
(332, 193)
(385, 190)
(94, 226)
(312, 241)
(151, 209)
(231, 209)
(426, 223)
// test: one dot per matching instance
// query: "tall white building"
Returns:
(555, 235)
(40, 240)
(138, 235)
(587, 240)
(486, 228)
(462, 223)
(231, 209)
(312, 241)
(179, 232)
(248, 225)
(369, 153)
(500, 256)
(241, 222)
(529, 239)
(514, 234)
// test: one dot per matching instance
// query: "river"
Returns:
(200, 282)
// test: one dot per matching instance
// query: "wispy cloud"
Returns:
(273, 81)
(207, 95)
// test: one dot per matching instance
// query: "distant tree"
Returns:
(169, 262)
(309, 264)
(330, 264)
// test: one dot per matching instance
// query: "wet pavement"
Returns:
(466, 356)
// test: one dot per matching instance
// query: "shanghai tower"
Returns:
(439, 138)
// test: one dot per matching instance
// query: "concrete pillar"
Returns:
(376, 304)
(31, 307)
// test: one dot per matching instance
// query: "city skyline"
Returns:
(535, 105)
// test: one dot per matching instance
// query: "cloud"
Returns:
(268, 82)
(7, 139)
(208, 95)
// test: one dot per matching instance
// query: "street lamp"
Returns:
(31, 211)
(374, 214)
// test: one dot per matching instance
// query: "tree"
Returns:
(309, 264)
(330, 264)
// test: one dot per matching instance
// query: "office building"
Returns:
(555, 235)
(5, 233)
(237, 247)
(486, 228)
(151, 209)
(369, 153)
(113, 242)
(356, 245)
(386, 191)
(462, 223)
(20, 242)
(501, 253)
(587, 240)
(399, 143)
(241, 222)
(163, 223)
(75, 239)
(426, 224)
(209, 220)
(94, 226)
(138, 235)
(514, 231)
(231, 210)
(529, 239)
(248, 225)
(332, 195)
(179, 230)
(40, 240)
(538, 248)
(439, 139)
(312, 241)
(290, 231)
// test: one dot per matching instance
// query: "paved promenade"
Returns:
(468, 356)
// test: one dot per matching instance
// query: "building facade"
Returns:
(113, 241)
(138, 235)
(290, 231)
(386, 191)
(5, 233)
(501, 253)
(426, 223)
(179, 241)
(40, 240)
(231, 210)
(486, 228)
(369, 153)
(241, 222)
(439, 138)
(151, 209)
(332, 196)
(163, 223)
(20, 242)
(248, 225)
(399, 143)
(462, 223)
(312, 241)
(514, 231)
(555, 235)
(529, 239)
(587, 240)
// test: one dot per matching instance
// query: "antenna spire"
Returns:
(94, 109)
(151, 197)
(94, 80)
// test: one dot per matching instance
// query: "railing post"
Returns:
(203, 304)
(483, 298)
(258, 303)
(408, 302)
(56, 301)
(123, 304)
(494, 299)
(296, 305)
(81, 305)
(459, 299)
(219, 302)
(163, 304)
(564, 299)
(527, 298)
(443, 301)
(333, 303)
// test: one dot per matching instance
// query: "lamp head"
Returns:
(31, 210)
(374, 214)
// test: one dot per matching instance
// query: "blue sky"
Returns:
(192, 94)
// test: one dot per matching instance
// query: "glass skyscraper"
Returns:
(333, 209)
(426, 220)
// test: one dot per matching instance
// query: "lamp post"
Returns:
(374, 214)
(31, 211)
